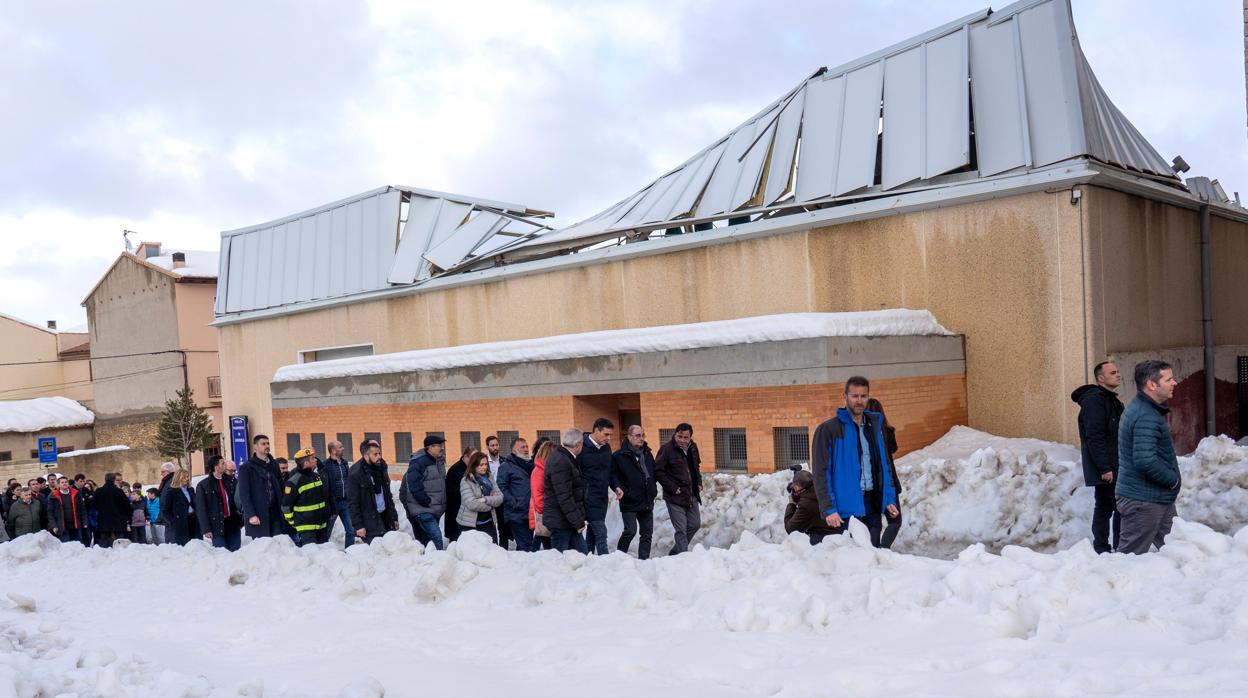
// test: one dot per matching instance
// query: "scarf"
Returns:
(486, 486)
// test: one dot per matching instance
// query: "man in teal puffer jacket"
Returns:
(1148, 471)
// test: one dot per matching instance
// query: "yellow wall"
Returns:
(1007, 274)
(34, 369)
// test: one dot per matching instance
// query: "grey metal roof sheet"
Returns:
(1017, 77)
(362, 244)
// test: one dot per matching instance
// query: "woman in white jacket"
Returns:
(479, 497)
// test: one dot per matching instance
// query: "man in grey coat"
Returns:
(1148, 471)
(423, 492)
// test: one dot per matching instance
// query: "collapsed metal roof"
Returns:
(990, 93)
(353, 246)
(994, 101)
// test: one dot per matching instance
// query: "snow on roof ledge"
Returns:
(89, 451)
(43, 413)
(763, 328)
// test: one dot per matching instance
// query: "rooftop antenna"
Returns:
(125, 235)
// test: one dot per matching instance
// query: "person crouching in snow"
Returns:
(306, 501)
(851, 464)
(802, 512)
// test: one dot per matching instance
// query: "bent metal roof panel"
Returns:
(388, 236)
(992, 103)
(991, 93)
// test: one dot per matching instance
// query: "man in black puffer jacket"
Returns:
(369, 501)
(563, 495)
(1099, 413)
(632, 478)
(595, 464)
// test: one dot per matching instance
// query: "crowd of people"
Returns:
(555, 494)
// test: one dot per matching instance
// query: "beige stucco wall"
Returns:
(20, 444)
(138, 310)
(131, 314)
(1007, 274)
(33, 368)
(1144, 289)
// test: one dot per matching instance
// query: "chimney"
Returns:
(51, 324)
(179, 260)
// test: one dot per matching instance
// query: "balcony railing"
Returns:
(214, 387)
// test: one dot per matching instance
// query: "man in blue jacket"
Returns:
(514, 481)
(423, 492)
(1148, 471)
(850, 466)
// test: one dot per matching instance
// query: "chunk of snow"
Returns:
(43, 413)
(200, 264)
(764, 328)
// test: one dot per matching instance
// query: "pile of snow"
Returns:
(263, 621)
(971, 487)
(200, 264)
(89, 451)
(43, 413)
(764, 328)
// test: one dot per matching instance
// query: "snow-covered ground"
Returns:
(769, 615)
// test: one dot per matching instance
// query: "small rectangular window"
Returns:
(469, 438)
(374, 436)
(665, 435)
(402, 446)
(505, 440)
(307, 356)
(292, 445)
(318, 445)
(792, 446)
(347, 446)
(730, 449)
(34, 453)
(6, 455)
(551, 434)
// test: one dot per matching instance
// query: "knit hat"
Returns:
(433, 440)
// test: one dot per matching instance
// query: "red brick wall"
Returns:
(921, 408)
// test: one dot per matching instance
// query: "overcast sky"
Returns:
(180, 120)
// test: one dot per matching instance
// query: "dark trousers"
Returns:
(521, 534)
(883, 528)
(596, 536)
(1105, 513)
(562, 539)
(303, 538)
(633, 520)
(542, 543)
(504, 530)
(1144, 524)
(425, 529)
(341, 513)
(231, 541)
(138, 534)
(452, 526)
(71, 535)
(105, 538)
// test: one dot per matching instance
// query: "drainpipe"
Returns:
(1206, 304)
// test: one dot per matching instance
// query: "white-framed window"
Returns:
(348, 351)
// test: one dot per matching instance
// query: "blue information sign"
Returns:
(238, 439)
(47, 449)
